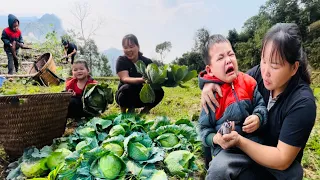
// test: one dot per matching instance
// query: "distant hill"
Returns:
(34, 28)
(113, 54)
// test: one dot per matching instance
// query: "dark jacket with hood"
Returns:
(241, 98)
(8, 35)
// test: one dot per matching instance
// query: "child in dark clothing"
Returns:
(76, 85)
(12, 39)
(241, 103)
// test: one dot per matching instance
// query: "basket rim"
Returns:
(39, 94)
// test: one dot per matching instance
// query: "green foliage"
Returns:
(25, 86)
(180, 163)
(130, 155)
(96, 97)
(248, 43)
(169, 76)
(52, 44)
(193, 60)
(57, 157)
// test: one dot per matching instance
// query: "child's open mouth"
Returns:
(230, 70)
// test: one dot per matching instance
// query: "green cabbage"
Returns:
(168, 140)
(115, 148)
(180, 163)
(117, 130)
(57, 157)
(110, 166)
(96, 98)
(159, 175)
(168, 76)
(105, 164)
(34, 168)
(86, 132)
(140, 148)
(138, 151)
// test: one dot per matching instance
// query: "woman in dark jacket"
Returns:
(131, 81)
(284, 82)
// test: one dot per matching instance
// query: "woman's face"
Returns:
(276, 72)
(130, 50)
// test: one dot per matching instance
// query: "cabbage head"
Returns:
(117, 130)
(168, 140)
(140, 148)
(86, 132)
(115, 148)
(105, 164)
(96, 98)
(34, 168)
(180, 163)
(57, 157)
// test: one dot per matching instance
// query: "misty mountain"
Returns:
(113, 54)
(35, 29)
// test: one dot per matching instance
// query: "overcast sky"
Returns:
(152, 21)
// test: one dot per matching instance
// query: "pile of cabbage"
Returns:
(115, 147)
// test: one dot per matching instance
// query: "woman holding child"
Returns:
(284, 82)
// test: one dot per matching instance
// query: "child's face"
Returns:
(79, 71)
(223, 63)
(15, 26)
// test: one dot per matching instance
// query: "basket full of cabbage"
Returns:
(115, 147)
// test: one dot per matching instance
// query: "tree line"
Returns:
(247, 43)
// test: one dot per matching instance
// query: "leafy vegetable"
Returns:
(174, 136)
(180, 163)
(105, 164)
(168, 140)
(117, 147)
(34, 168)
(168, 76)
(32, 164)
(140, 148)
(159, 175)
(57, 157)
(96, 98)
(117, 130)
(85, 132)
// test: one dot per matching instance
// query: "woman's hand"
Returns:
(143, 80)
(227, 140)
(207, 97)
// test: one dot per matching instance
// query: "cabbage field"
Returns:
(116, 147)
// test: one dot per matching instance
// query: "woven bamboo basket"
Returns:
(45, 69)
(31, 120)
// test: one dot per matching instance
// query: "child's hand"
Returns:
(72, 91)
(251, 124)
